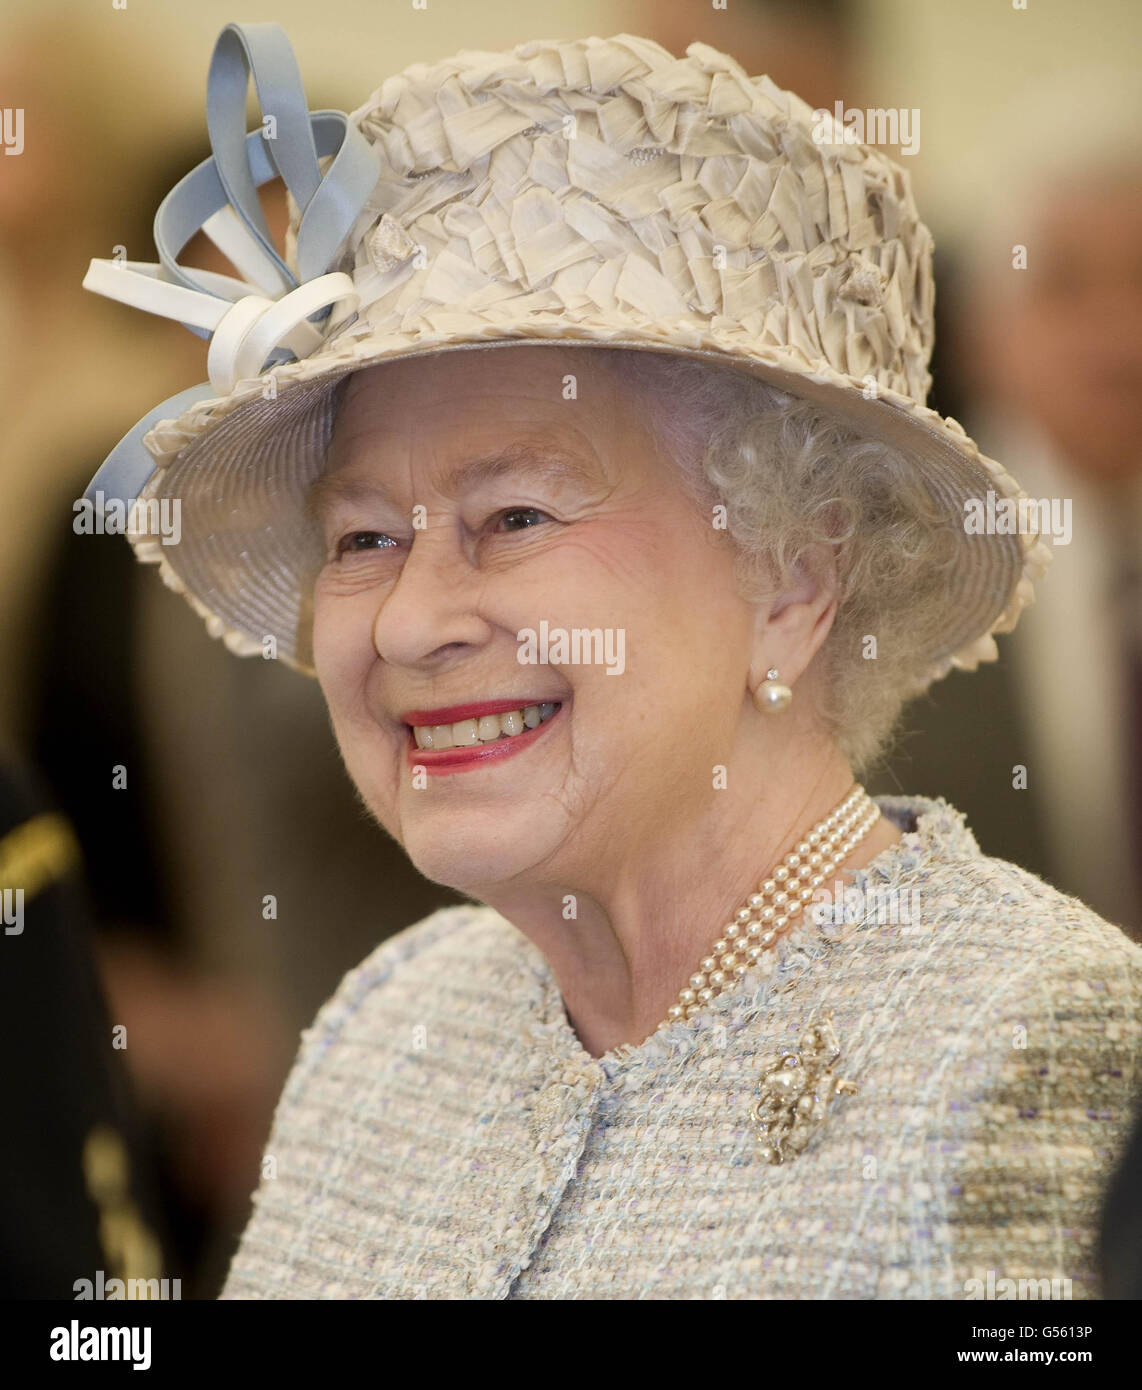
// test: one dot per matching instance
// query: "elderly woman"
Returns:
(578, 447)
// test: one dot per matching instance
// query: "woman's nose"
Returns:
(433, 603)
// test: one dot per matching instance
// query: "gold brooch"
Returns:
(795, 1089)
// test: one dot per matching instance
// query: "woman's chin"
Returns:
(471, 869)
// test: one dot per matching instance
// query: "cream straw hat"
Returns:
(598, 191)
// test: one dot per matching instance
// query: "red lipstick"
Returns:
(442, 761)
(452, 714)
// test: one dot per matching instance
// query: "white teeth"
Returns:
(466, 733)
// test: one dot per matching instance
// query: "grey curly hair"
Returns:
(792, 477)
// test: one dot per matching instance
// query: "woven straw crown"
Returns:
(611, 177)
(604, 192)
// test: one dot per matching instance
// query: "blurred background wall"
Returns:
(234, 790)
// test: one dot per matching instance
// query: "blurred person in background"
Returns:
(67, 186)
(1046, 322)
(80, 1201)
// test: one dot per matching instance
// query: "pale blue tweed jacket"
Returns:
(444, 1135)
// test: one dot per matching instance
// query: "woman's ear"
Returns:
(792, 623)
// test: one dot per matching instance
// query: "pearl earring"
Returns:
(771, 697)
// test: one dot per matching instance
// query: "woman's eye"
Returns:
(363, 540)
(520, 518)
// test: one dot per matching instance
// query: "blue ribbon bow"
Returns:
(273, 315)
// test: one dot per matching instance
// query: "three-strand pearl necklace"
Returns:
(767, 913)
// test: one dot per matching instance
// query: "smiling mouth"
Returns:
(533, 722)
(481, 729)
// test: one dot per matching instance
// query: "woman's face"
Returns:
(471, 497)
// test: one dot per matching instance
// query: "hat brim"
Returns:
(242, 467)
